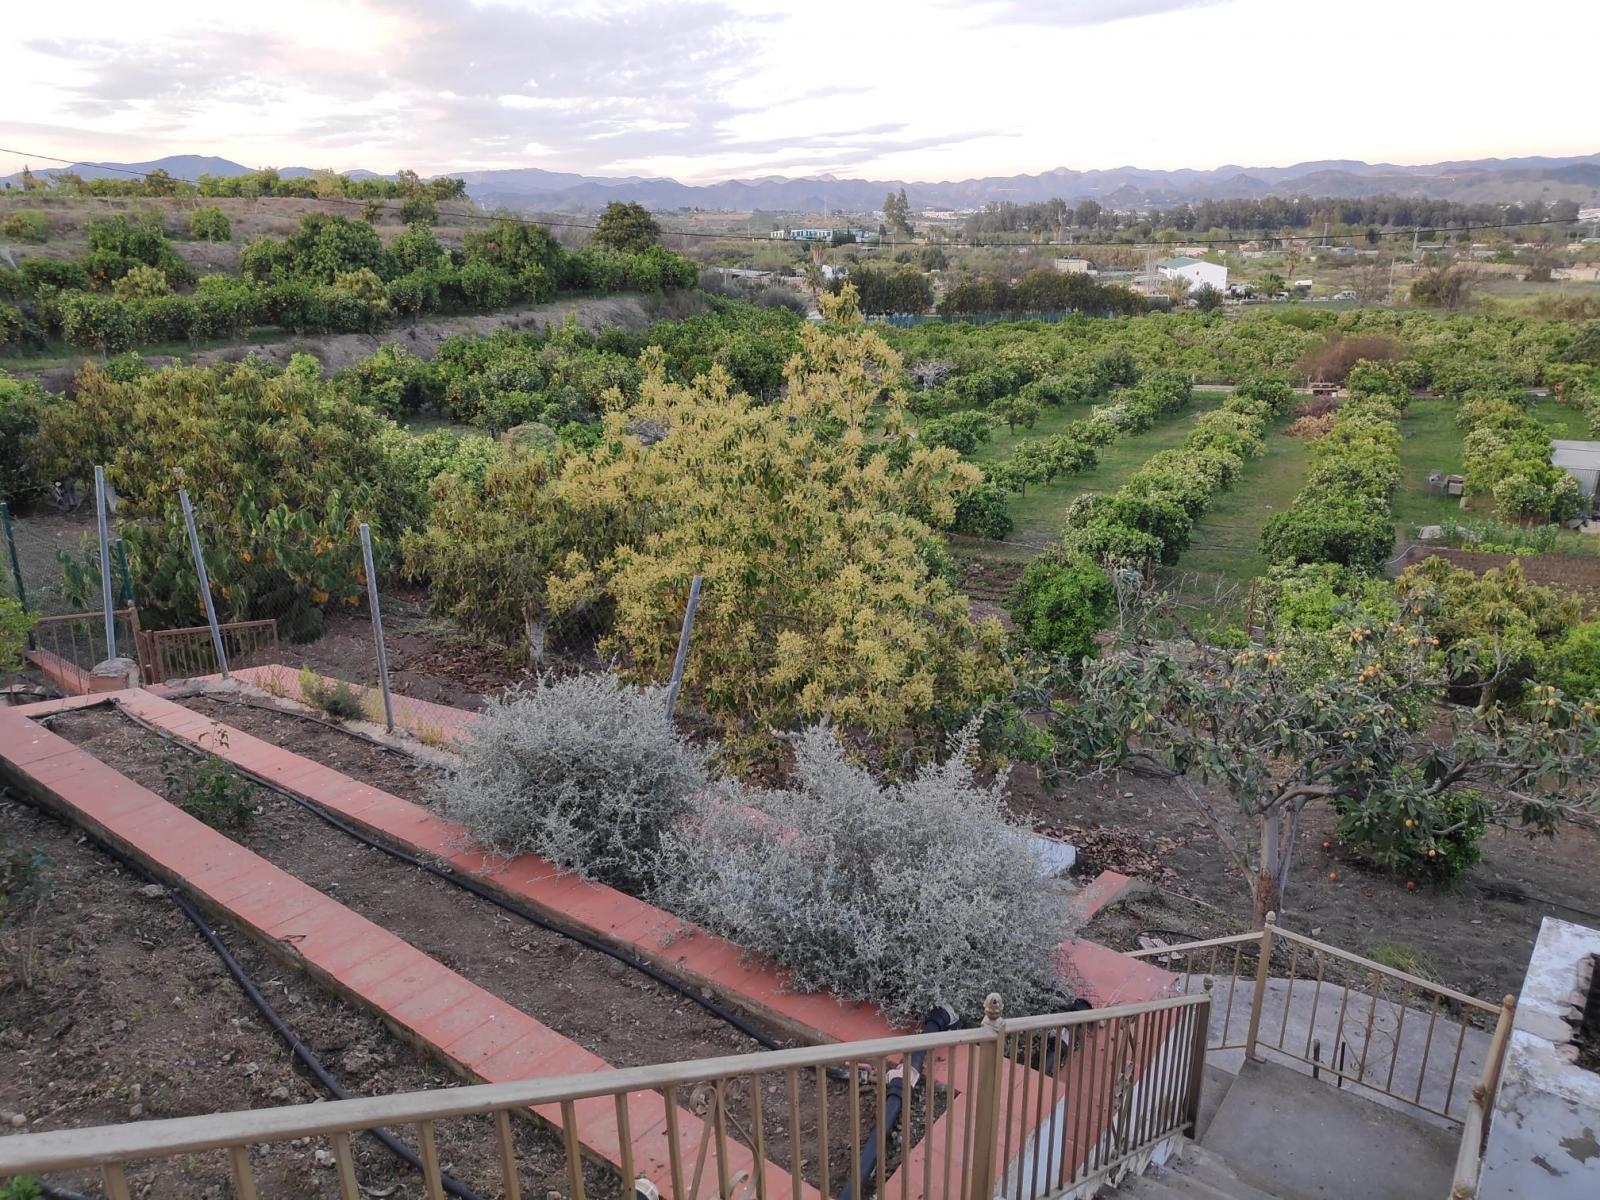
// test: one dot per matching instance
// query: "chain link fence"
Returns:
(304, 609)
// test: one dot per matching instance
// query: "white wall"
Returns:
(1200, 273)
(1544, 1135)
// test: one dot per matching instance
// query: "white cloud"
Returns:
(936, 89)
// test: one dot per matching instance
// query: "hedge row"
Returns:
(360, 302)
(1342, 514)
(1152, 515)
(1506, 455)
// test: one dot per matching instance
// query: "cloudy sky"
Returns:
(707, 89)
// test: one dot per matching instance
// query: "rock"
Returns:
(323, 1158)
(135, 1111)
(153, 891)
(279, 1093)
(118, 1026)
(1430, 533)
(250, 1069)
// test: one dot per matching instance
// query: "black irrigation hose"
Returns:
(264, 1006)
(55, 1193)
(299, 1048)
(469, 884)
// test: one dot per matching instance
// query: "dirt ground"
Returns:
(113, 1008)
(1475, 935)
(428, 658)
(598, 1002)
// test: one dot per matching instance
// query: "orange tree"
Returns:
(1251, 736)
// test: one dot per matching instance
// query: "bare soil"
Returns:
(1475, 935)
(428, 658)
(603, 1005)
(113, 1008)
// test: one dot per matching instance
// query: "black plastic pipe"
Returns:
(894, 1097)
(468, 883)
(298, 1048)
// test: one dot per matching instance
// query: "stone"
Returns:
(1430, 533)
(153, 891)
(323, 1158)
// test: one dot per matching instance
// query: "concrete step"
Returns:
(1197, 1175)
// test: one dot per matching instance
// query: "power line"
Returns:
(1401, 232)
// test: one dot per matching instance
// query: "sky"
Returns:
(712, 89)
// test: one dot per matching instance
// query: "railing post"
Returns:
(986, 1105)
(1263, 967)
(1200, 1035)
(16, 566)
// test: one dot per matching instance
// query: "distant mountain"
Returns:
(179, 166)
(1487, 180)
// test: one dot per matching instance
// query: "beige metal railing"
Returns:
(68, 647)
(1475, 1131)
(1355, 1020)
(1018, 1108)
(186, 653)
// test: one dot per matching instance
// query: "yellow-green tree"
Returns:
(825, 593)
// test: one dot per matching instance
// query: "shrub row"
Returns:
(1342, 514)
(1152, 515)
(1506, 455)
(908, 895)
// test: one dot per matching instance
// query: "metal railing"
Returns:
(189, 652)
(68, 647)
(1395, 1034)
(1475, 1131)
(1019, 1109)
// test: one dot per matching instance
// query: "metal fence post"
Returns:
(377, 626)
(1263, 966)
(683, 645)
(1201, 1035)
(205, 580)
(16, 563)
(105, 560)
(126, 575)
(986, 1106)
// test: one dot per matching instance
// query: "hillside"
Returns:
(1476, 181)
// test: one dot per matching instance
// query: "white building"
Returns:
(1581, 460)
(1075, 266)
(1196, 271)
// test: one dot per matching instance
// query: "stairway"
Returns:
(1198, 1175)
(1274, 1133)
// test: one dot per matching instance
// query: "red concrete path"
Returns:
(480, 1035)
(1099, 974)
(700, 958)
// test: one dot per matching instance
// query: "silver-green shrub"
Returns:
(582, 771)
(909, 894)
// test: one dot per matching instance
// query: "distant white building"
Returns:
(1196, 271)
(1075, 266)
(1589, 214)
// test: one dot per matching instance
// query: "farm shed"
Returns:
(1197, 273)
(1581, 460)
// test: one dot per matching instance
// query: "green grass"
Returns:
(1040, 510)
(1430, 440)
(1227, 538)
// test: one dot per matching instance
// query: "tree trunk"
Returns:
(1267, 893)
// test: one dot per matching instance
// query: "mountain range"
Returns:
(1491, 180)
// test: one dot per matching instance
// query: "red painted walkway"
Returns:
(480, 1035)
(689, 952)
